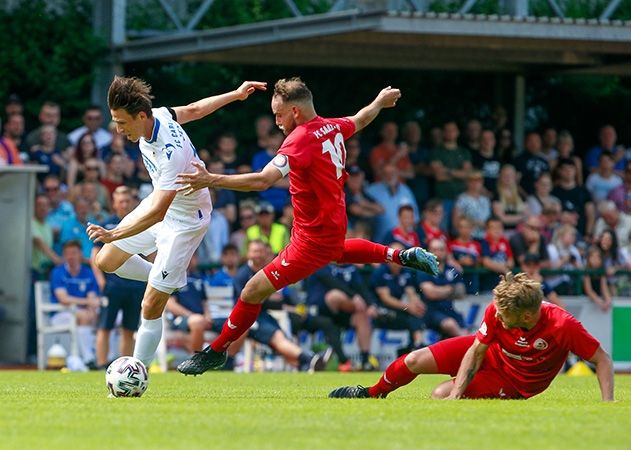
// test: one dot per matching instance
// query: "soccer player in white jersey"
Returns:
(166, 221)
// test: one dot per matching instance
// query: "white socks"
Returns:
(147, 339)
(135, 268)
(85, 336)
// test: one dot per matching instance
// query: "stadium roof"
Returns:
(405, 40)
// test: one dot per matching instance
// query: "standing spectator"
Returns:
(467, 252)
(388, 152)
(120, 294)
(266, 229)
(497, 256)
(49, 114)
(353, 152)
(487, 161)
(263, 126)
(595, 283)
(85, 149)
(473, 133)
(73, 283)
(74, 229)
(13, 105)
(620, 194)
(61, 210)
(226, 199)
(43, 257)
(451, 165)
(549, 140)
(435, 137)
(574, 197)
(473, 205)
(215, 239)
(542, 195)
(528, 239)
(391, 194)
(92, 124)
(611, 217)
(247, 218)
(603, 179)
(607, 138)
(566, 151)
(278, 194)
(339, 292)
(360, 205)
(564, 255)
(226, 150)
(46, 153)
(530, 164)
(440, 291)
(404, 233)
(612, 257)
(508, 204)
(9, 144)
(505, 146)
(400, 307)
(14, 130)
(419, 157)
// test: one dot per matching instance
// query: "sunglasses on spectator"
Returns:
(247, 217)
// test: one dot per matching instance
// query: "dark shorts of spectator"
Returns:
(126, 299)
(180, 323)
(436, 314)
(341, 319)
(395, 319)
(264, 328)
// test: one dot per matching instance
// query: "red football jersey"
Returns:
(532, 358)
(316, 154)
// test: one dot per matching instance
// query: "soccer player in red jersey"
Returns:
(313, 154)
(520, 347)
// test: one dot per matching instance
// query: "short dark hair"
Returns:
(229, 248)
(132, 95)
(71, 243)
(293, 90)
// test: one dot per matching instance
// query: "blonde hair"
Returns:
(509, 195)
(516, 293)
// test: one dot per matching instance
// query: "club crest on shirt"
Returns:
(521, 342)
(540, 344)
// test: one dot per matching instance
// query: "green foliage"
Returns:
(52, 54)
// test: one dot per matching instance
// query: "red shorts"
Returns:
(488, 382)
(299, 260)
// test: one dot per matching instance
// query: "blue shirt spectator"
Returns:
(75, 285)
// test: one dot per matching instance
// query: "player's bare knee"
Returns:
(196, 321)
(104, 263)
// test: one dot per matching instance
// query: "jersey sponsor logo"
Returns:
(231, 325)
(521, 342)
(483, 329)
(540, 344)
(167, 151)
(517, 357)
(164, 274)
(284, 263)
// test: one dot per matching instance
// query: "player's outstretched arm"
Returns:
(208, 105)
(387, 98)
(245, 182)
(604, 373)
(469, 366)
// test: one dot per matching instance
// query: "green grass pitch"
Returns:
(54, 410)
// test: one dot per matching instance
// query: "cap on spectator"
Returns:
(530, 258)
(264, 207)
(355, 170)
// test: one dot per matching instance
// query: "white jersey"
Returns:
(167, 153)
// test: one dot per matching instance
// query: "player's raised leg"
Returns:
(112, 259)
(361, 251)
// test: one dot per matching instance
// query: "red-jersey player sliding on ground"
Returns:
(313, 155)
(520, 347)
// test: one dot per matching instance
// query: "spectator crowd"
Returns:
(468, 197)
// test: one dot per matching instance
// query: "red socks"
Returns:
(396, 375)
(361, 251)
(241, 319)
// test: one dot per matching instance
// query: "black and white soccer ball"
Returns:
(126, 377)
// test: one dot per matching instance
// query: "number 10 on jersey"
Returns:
(336, 151)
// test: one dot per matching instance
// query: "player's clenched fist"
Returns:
(388, 97)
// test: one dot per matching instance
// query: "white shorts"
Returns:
(175, 241)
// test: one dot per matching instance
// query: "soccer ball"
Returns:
(126, 377)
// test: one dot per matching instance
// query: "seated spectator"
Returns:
(621, 195)
(390, 193)
(404, 233)
(120, 294)
(278, 194)
(603, 180)
(549, 152)
(550, 218)
(226, 150)
(542, 195)
(353, 151)
(92, 177)
(473, 204)
(472, 135)
(430, 226)
(359, 204)
(339, 292)
(468, 253)
(487, 161)
(440, 291)
(528, 239)
(422, 182)
(92, 124)
(215, 239)
(435, 137)
(607, 137)
(114, 173)
(611, 217)
(13, 131)
(74, 229)
(505, 146)
(49, 115)
(566, 151)
(43, 257)
(141, 181)
(84, 150)
(287, 217)
(573, 197)
(388, 152)
(73, 283)
(46, 153)
(564, 255)
(532, 268)
(61, 210)
(128, 152)
(612, 258)
(595, 283)
(10, 141)
(266, 229)
(508, 204)
(399, 307)
(530, 164)
(497, 256)
(224, 276)
(263, 125)
(247, 218)
(226, 199)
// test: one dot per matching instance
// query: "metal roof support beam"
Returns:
(556, 8)
(174, 18)
(293, 8)
(610, 9)
(518, 8)
(199, 14)
(467, 6)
